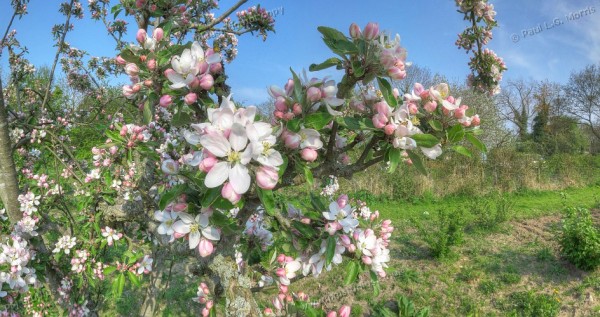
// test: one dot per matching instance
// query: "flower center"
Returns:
(194, 228)
(233, 157)
(266, 147)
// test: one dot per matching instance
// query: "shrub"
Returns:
(529, 304)
(443, 232)
(579, 239)
(405, 308)
(489, 213)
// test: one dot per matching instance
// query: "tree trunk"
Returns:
(9, 187)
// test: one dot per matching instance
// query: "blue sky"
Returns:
(428, 30)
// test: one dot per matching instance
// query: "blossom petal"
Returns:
(216, 144)
(211, 233)
(217, 175)
(194, 239)
(238, 138)
(239, 177)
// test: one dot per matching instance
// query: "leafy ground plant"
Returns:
(579, 239)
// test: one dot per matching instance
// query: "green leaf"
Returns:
(117, 285)
(387, 92)
(129, 56)
(317, 203)
(308, 175)
(267, 199)
(297, 87)
(317, 120)
(425, 140)
(170, 195)
(394, 155)
(456, 133)
(306, 230)
(180, 119)
(351, 123)
(114, 135)
(293, 125)
(375, 283)
(133, 278)
(351, 273)
(210, 196)
(436, 125)
(330, 250)
(337, 41)
(476, 142)
(417, 162)
(334, 61)
(109, 269)
(148, 112)
(283, 167)
(462, 150)
(358, 69)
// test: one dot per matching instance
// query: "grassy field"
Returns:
(512, 268)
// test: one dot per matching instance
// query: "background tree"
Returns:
(583, 95)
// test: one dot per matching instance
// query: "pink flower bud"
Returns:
(396, 73)
(288, 116)
(331, 228)
(342, 200)
(143, 58)
(379, 120)
(148, 83)
(418, 89)
(460, 112)
(141, 36)
(389, 129)
(151, 64)
(332, 314)
(120, 60)
(297, 109)
(179, 207)
(371, 31)
(291, 140)
(205, 248)
(412, 108)
(430, 106)
(309, 154)
(268, 311)
(165, 101)
(357, 105)
(289, 86)
(266, 177)
(205, 312)
(216, 68)
(345, 239)
(280, 104)
(382, 107)
(355, 31)
(280, 272)
(283, 288)
(351, 248)
(281, 258)
(204, 67)
(367, 260)
(228, 193)
(207, 81)
(475, 120)
(190, 98)
(305, 221)
(158, 34)
(278, 114)
(344, 311)
(132, 69)
(313, 94)
(207, 164)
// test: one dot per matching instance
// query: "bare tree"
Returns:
(583, 95)
(418, 74)
(516, 104)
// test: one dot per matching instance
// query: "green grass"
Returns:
(528, 204)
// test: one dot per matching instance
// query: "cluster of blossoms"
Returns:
(231, 142)
(176, 223)
(486, 67)
(491, 64)
(65, 243)
(203, 297)
(256, 18)
(29, 203)
(16, 256)
(79, 260)
(111, 235)
(194, 68)
(391, 56)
